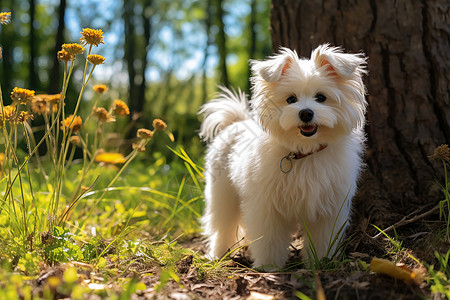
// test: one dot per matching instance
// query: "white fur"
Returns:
(246, 193)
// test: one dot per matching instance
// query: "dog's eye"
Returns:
(320, 98)
(291, 99)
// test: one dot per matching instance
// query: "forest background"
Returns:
(165, 58)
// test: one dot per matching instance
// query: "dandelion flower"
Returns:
(144, 134)
(100, 88)
(2, 158)
(102, 114)
(63, 55)
(44, 103)
(53, 100)
(23, 117)
(110, 158)
(74, 140)
(9, 113)
(91, 36)
(72, 122)
(39, 106)
(95, 59)
(5, 18)
(159, 125)
(120, 108)
(21, 95)
(441, 152)
(73, 48)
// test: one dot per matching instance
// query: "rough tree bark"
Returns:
(136, 49)
(55, 72)
(407, 43)
(33, 78)
(221, 39)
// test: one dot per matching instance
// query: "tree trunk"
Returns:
(208, 24)
(130, 45)
(55, 72)
(146, 20)
(222, 44)
(33, 78)
(252, 40)
(407, 43)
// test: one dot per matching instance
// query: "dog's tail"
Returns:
(228, 107)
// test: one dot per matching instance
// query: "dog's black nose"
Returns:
(306, 115)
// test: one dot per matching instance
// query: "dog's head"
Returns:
(307, 102)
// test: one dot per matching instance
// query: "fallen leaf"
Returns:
(260, 296)
(384, 266)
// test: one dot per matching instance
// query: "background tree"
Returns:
(54, 85)
(409, 106)
(221, 40)
(136, 50)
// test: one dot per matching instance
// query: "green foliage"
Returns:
(444, 205)
(59, 246)
(440, 279)
(396, 243)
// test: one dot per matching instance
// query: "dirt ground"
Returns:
(350, 279)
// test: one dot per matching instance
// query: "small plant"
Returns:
(396, 243)
(442, 153)
(335, 252)
(440, 279)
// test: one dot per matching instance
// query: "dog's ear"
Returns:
(274, 67)
(336, 63)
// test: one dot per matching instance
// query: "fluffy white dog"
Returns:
(291, 160)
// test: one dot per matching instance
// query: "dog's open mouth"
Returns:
(308, 130)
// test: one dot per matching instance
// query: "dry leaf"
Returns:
(260, 296)
(384, 266)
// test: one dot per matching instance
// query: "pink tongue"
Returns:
(308, 128)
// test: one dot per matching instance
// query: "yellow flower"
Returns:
(110, 158)
(120, 108)
(91, 36)
(100, 88)
(72, 122)
(5, 18)
(21, 95)
(441, 152)
(23, 117)
(95, 59)
(73, 48)
(159, 125)
(39, 106)
(74, 140)
(63, 55)
(45, 103)
(9, 113)
(2, 158)
(102, 114)
(144, 134)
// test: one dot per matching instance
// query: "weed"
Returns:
(335, 254)
(439, 280)
(442, 153)
(394, 241)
